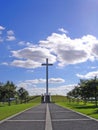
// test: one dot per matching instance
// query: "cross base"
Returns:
(45, 99)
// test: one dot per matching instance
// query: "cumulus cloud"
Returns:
(32, 57)
(63, 30)
(33, 53)
(88, 75)
(2, 28)
(25, 64)
(35, 81)
(58, 48)
(93, 67)
(35, 90)
(10, 38)
(23, 43)
(95, 50)
(41, 81)
(61, 90)
(70, 51)
(66, 57)
(5, 63)
(56, 80)
(10, 35)
(10, 32)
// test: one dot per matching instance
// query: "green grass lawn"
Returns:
(6, 111)
(58, 98)
(89, 109)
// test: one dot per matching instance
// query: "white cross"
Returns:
(47, 64)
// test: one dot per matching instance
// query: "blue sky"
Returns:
(64, 31)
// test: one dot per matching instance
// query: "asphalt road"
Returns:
(39, 117)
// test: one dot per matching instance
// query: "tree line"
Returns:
(10, 92)
(86, 90)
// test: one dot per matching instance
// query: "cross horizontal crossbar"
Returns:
(47, 64)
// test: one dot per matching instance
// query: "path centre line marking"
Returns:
(48, 125)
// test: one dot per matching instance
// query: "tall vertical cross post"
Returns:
(47, 94)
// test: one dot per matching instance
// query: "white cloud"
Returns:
(61, 90)
(70, 51)
(23, 43)
(35, 81)
(10, 38)
(34, 53)
(56, 80)
(57, 47)
(10, 35)
(34, 57)
(30, 71)
(41, 81)
(63, 30)
(26, 64)
(71, 56)
(88, 75)
(93, 67)
(10, 32)
(95, 50)
(4, 63)
(2, 28)
(35, 90)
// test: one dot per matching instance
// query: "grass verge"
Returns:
(89, 109)
(7, 111)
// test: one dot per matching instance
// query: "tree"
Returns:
(74, 94)
(93, 87)
(84, 90)
(1, 97)
(87, 89)
(10, 90)
(2, 93)
(23, 94)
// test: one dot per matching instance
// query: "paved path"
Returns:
(65, 119)
(33, 119)
(49, 117)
